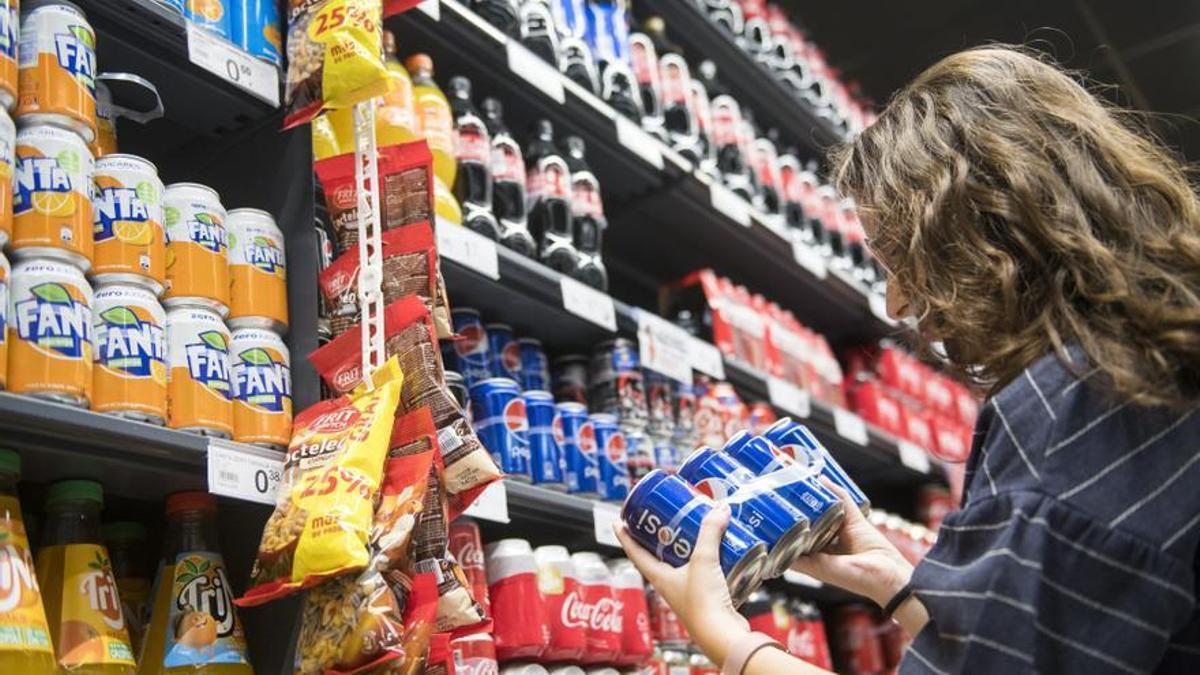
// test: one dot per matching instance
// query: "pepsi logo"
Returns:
(616, 448)
(715, 488)
(587, 438)
(665, 535)
(472, 340)
(556, 428)
(514, 416)
(510, 357)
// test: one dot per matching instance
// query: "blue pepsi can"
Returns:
(613, 458)
(607, 32)
(535, 369)
(665, 455)
(794, 439)
(470, 351)
(582, 470)
(663, 514)
(796, 483)
(545, 439)
(257, 29)
(782, 527)
(504, 353)
(639, 454)
(498, 412)
(570, 17)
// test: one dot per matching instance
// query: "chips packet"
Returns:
(420, 596)
(410, 459)
(457, 608)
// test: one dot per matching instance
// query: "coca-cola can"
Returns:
(856, 646)
(467, 548)
(474, 654)
(521, 629)
(559, 585)
(666, 627)
(807, 638)
(637, 645)
(599, 608)
(767, 614)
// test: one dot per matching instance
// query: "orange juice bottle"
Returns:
(434, 120)
(395, 119)
(83, 606)
(26, 646)
(194, 628)
(324, 141)
(126, 542)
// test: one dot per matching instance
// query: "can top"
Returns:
(529, 341)
(108, 288)
(538, 395)
(194, 187)
(75, 490)
(256, 334)
(464, 310)
(647, 482)
(122, 532)
(698, 455)
(498, 326)
(453, 376)
(604, 418)
(494, 382)
(209, 313)
(257, 216)
(28, 6)
(614, 343)
(572, 407)
(25, 258)
(27, 126)
(125, 157)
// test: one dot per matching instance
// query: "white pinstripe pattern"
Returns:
(986, 595)
(1099, 656)
(1129, 455)
(1006, 552)
(924, 661)
(1038, 391)
(1182, 531)
(1015, 653)
(1082, 378)
(1013, 437)
(1086, 428)
(1155, 492)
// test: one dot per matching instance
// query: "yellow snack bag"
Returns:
(334, 466)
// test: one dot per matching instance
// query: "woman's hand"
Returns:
(696, 591)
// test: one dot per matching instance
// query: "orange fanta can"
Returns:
(262, 388)
(52, 205)
(50, 331)
(197, 246)
(257, 272)
(130, 378)
(9, 15)
(5, 282)
(57, 67)
(8, 145)
(127, 223)
(198, 387)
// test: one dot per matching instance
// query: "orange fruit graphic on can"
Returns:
(5, 281)
(262, 388)
(52, 205)
(198, 386)
(257, 272)
(56, 64)
(9, 15)
(130, 246)
(50, 331)
(130, 375)
(197, 246)
(8, 143)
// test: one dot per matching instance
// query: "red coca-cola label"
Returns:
(806, 640)
(596, 609)
(465, 546)
(568, 636)
(675, 80)
(474, 655)
(507, 164)
(585, 197)
(665, 625)
(644, 60)
(550, 178)
(471, 143)
(726, 119)
(637, 644)
(753, 9)
(859, 650)
(765, 166)
(699, 107)
(792, 187)
(521, 628)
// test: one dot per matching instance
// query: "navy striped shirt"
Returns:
(1075, 550)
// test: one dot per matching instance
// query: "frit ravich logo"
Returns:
(335, 422)
(55, 320)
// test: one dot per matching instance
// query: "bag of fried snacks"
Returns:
(410, 458)
(456, 607)
(419, 596)
(349, 624)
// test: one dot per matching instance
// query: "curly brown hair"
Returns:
(1020, 215)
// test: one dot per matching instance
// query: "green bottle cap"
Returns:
(10, 461)
(75, 490)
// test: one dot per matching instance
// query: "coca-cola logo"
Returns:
(472, 340)
(341, 280)
(476, 665)
(336, 421)
(800, 643)
(470, 556)
(602, 616)
(616, 448)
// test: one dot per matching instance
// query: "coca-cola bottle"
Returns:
(560, 591)
(675, 78)
(702, 113)
(547, 194)
(637, 644)
(766, 168)
(500, 13)
(831, 220)
(535, 28)
(747, 132)
(587, 217)
(811, 196)
(726, 134)
(856, 248)
(726, 14)
(755, 37)
(521, 627)
(508, 182)
(791, 195)
(600, 608)
(473, 150)
(644, 58)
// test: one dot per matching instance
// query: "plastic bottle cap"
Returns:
(10, 461)
(75, 490)
(123, 532)
(419, 63)
(191, 500)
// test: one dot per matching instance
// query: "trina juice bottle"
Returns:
(32, 651)
(434, 120)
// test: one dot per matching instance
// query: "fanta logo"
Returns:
(201, 586)
(510, 357)
(38, 174)
(616, 448)
(514, 416)
(54, 320)
(264, 254)
(666, 537)
(334, 422)
(206, 230)
(716, 488)
(262, 381)
(18, 585)
(129, 344)
(472, 340)
(112, 204)
(587, 438)
(76, 54)
(208, 362)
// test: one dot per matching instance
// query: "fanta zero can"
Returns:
(52, 200)
(9, 34)
(5, 282)
(545, 439)
(50, 354)
(503, 351)
(470, 350)
(199, 391)
(212, 15)
(535, 369)
(581, 471)
(57, 67)
(8, 145)
(256, 29)
(663, 513)
(197, 247)
(262, 388)
(127, 210)
(130, 378)
(612, 456)
(498, 412)
(257, 272)
(796, 440)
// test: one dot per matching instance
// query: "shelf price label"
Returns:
(913, 456)
(706, 358)
(589, 303)
(664, 347)
(492, 504)
(240, 472)
(468, 248)
(604, 516)
(850, 426)
(227, 61)
(533, 69)
(728, 202)
(639, 142)
(789, 397)
(810, 259)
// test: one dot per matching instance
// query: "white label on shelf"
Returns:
(878, 304)
(492, 504)
(730, 203)
(785, 395)
(914, 456)
(468, 248)
(706, 358)
(537, 72)
(810, 259)
(227, 61)
(664, 347)
(801, 579)
(433, 8)
(850, 426)
(604, 515)
(241, 473)
(641, 143)
(589, 303)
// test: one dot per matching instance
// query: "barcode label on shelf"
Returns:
(589, 303)
(234, 471)
(801, 579)
(850, 426)
(227, 61)
(878, 304)
(789, 397)
(433, 8)
(810, 259)
(468, 248)
(706, 358)
(664, 347)
(728, 202)
(914, 456)
(534, 70)
(642, 144)
(604, 516)
(492, 504)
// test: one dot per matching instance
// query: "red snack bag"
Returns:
(419, 596)
(457, 609)
(410, 458)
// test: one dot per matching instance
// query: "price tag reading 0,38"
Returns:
(242, 473)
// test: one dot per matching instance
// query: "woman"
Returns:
(1055, 251)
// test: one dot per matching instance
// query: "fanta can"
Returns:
(8, 143)
(255, 25)
(5, 281)
(130, 378)
(257, 272)
(262, 388)
(198, 387)
(57, 67)
(197, 246)
(211, 15)
(50, 337)
(9, 35)
(127, 225)
(52, 202)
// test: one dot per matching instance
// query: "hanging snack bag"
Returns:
(456, 607)
(323, 516)
(410, 459)
(419, 596)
